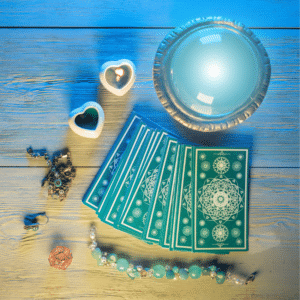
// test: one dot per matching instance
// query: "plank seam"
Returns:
(91, 167)
(124, 27)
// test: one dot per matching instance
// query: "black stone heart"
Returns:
(87, 120)
(116, 81)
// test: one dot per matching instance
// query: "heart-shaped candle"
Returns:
(118, 76)
(87, 120)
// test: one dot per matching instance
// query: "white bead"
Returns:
(93, 245)
(213, 274)
(139, 268)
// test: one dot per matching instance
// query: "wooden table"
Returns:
(50, 58)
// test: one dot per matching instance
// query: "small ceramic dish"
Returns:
(211, 74)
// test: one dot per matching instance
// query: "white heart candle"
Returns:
(87, 120)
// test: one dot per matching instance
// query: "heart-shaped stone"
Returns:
(118, 76)
(87, 120)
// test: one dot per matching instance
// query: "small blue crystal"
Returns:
(183, 274)
(170, 274)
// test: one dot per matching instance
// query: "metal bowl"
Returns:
(211, 74)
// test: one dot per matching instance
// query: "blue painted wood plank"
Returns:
(256, 13)
(47, 73)
(273, 245)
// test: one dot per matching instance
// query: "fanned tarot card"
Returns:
(165, 234)
(154, 223)
(125, 170)
(128, 192)
(122, 183)
(182, 237)
(135, 212)
(221, 200)
(94, 194)
(182, 197)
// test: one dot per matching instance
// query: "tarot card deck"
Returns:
(177, 195)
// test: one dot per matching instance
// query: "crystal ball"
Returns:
(211, 73)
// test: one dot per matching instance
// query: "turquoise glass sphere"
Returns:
(214, 71)
(211, 74)
(159, 271)
(195, 272)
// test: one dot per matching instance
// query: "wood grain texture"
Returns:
(25, 272)
(47, 73)
(259, 13)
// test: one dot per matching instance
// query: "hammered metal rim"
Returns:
(208, 124)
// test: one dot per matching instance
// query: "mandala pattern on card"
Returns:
(205, 166)
(220, 199)
(220, 233)
(187, 199)
(221, 165)
(204, 232)
(236, 166)
(148, 185)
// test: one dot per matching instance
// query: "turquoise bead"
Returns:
(122, 264)
(112, 258)
(195, 272)
(131, 276)
(220, 278)
(183, 274)
(136, 273)
(170, 274)
(159, 271)
(175, 269)
(96, 253)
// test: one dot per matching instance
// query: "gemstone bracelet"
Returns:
(160, 271)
